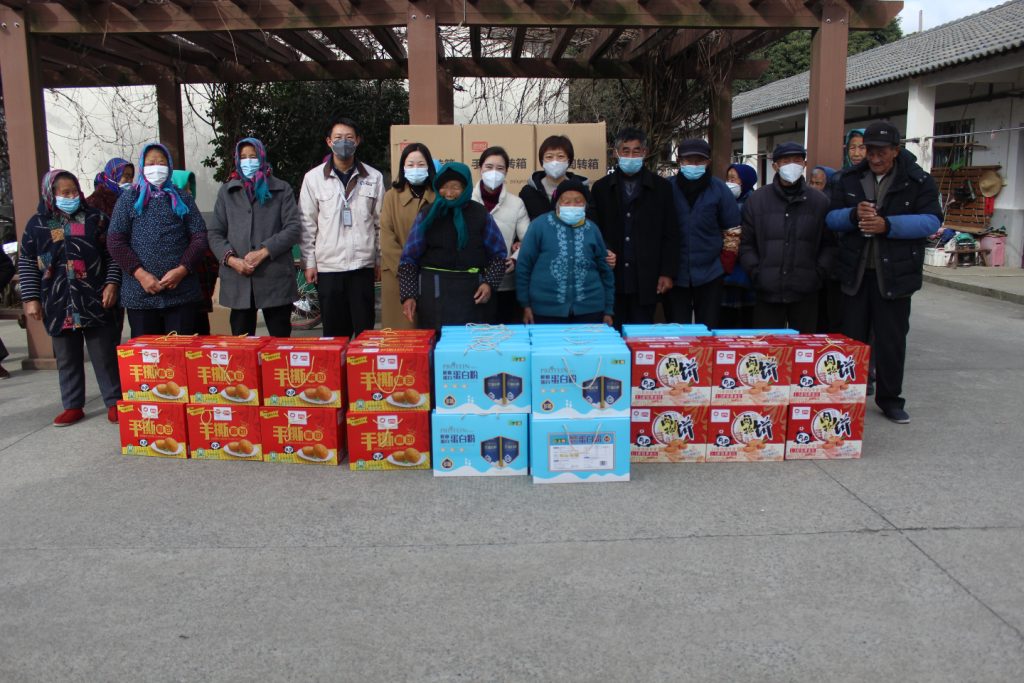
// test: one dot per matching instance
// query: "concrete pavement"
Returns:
(903, 566)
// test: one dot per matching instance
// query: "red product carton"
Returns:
(751, 372)
(152, 428)
(309, 373)
(374, 337)
(820, 431)
(387, 378)
(218, 432)
(389, 441)
(307, 436)
(668, 434)
(154, 369)
(225, 371)
(671, 373)
(831, 370)
(746, 433)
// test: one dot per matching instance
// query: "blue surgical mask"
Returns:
(693, 172)
(248, 167)
(416, 176)
(68, 204)
(630, 165)
(572, 215)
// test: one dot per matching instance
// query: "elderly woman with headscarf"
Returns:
(69, 281)
(158, 237)
(854, 151)
(454, 259)
(116, 177)
(738, 296)
(820, 176)
(254, 227)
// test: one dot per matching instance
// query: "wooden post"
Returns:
(445, 96)
(424, 107)
(826, 113)
(26, 141)
(721, 126)
(169, 118)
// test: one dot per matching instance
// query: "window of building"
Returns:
(953, 151)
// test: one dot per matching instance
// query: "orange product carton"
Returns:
(307, 436)
(831, 370)
(308, 373)
(154, 370)
(225, 371)
(668, 434)
(153, 428)
(825, 431)
(751, 372)
(389, 441)
(387, 379)
(218, 432)
(746, 433)
(671, 373)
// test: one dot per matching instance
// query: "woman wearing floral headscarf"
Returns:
(158, 237)
(69, 281)
(116, 177)
(254, 227)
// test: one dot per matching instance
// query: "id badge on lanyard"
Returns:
(346, 212)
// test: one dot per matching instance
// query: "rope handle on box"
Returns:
(593, 380)
(568, 438)
(377, 383)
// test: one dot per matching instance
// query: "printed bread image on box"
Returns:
(480, 445)
(306, 373)
(218, 432)
(225, 372)
(746, 433)
(389, 441)
(154, 370)
(830, 371)
(825, 431)
(669, 434)
(751, 372)
(155, 429)
(388, 378)
(590, 450)
(671, 374)
(470, 378)
(305, 436)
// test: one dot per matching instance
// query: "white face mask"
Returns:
(556, 169)
(791, 172)
(156, 175)
(735, 189)
(492, 179)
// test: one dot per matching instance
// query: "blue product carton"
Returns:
(590, 380)
(476, 377)
(579, 450)
(480, 445)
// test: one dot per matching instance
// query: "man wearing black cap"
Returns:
(784, 246)
(705, 208)
(882, 209)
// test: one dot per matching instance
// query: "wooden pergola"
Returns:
(167, 43)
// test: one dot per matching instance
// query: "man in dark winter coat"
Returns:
(634, 209)
(785, 247)
(882, 210)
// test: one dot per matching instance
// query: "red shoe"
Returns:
(112, 414)
(68, 417)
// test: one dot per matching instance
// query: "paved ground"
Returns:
(1006, 284)
(904, 566)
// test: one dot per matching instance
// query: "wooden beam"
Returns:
(389, 41)
(308, 45)
(684, 40)
(347, 42)
(601, 43)
(646, 40)
(263, 44)
(560, 42)
(221, 46)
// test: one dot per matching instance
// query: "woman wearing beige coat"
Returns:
(409, 194)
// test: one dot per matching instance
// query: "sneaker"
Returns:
(68, 417)
(3, 373)
(897, 415)
(112, 414)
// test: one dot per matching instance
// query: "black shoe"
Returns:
(3, 373)
(897, 415)
(871, 388)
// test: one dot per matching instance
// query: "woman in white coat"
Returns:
(509, 212)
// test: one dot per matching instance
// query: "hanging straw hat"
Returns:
(990, 184)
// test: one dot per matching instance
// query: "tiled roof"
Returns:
(974, 37)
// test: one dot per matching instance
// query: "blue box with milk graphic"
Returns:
(480, 445)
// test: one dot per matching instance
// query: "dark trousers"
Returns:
(572, 319)
(629, 312)
(346, 302)
(277, 318)
(508, 310)
(801, 316)
(830, 307)
(695, 304)
(179, 319)
(68, 349)
(865, 314)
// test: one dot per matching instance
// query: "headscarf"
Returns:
(146, 189)
(184, 180)
(748, 178)
(255, 187)
(110, 176)
(49, 201)
(854, 132)
(443, 207)
(828, 170)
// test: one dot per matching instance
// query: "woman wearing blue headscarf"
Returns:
(738, 296)
(255, 224)
(109, 183)
(820, 177)
(158, 237)
(454, 259)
